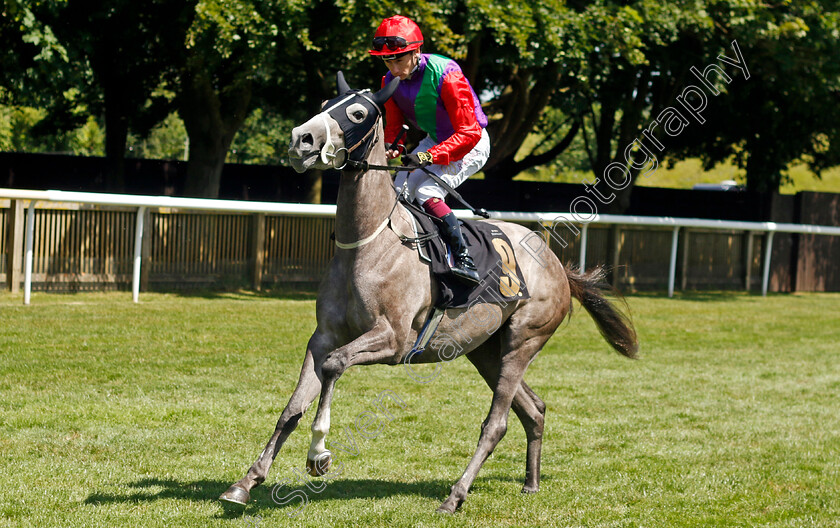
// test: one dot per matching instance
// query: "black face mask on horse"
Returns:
(357, 113)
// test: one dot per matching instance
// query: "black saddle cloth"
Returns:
(501, 278)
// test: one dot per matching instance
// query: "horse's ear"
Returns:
(385, 93)
(341, 84)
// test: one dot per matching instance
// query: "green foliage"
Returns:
(787, 110)
(15, 124)
(263, 139)
(16, 134)
(167, 140)
(35, 32)
(610, 66)
(89, 139)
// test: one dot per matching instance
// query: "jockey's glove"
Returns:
(417, 160)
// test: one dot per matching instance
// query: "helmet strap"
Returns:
(416, 64)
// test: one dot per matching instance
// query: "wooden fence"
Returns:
(86, 247)
(91, 248)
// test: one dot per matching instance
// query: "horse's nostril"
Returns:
(306, 140)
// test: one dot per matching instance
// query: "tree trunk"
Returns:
(508, 168)
(521, 110)
(116, 135)
(204, 170)
(615, 129)
(211, 121)
(764, 173)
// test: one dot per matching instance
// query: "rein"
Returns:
(369, 239)
(365, 166)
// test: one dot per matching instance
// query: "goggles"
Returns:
(392, 43)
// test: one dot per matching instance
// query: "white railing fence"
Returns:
(142, 203)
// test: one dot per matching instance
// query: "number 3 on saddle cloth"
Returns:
(501, 278)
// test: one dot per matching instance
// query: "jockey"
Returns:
(434, 96)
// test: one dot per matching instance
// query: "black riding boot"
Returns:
(464, 267)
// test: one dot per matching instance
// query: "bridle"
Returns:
(328, 152)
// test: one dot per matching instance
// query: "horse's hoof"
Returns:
(447, 507)
(321, 465)
(530, 489)
(236, 496)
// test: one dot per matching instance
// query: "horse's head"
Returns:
(345, 129)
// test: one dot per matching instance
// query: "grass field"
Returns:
(115, 414)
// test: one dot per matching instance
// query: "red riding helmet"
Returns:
(397, 34)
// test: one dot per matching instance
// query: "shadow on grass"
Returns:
(149, 490)
(141, 490)
(303, 293)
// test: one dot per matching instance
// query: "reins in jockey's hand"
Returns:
(365, 166)
(482, 212)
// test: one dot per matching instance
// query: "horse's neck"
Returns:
(364, 199)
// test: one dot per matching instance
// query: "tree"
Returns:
(629, 75)
(788, 109)
(126, 44)
(220, 57)
(625, 64)
(608, 75)
(112, 57)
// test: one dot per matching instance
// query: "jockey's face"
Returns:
(403, 66)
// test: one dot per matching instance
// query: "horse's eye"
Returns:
(356, 113)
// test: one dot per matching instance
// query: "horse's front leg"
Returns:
(308, 387)
(376, 346)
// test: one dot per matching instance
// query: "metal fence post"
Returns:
(138, 254)
(583, 241)
(672, 268)
(768, 251)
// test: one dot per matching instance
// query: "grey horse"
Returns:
(377, 296)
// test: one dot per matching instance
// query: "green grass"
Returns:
(114, 414)
(686, 173)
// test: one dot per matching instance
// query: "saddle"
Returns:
(490, 247)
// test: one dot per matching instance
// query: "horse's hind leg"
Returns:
(529, 408)
(511, 370)
(533, 419)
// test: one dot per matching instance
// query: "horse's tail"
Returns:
(615, 326)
